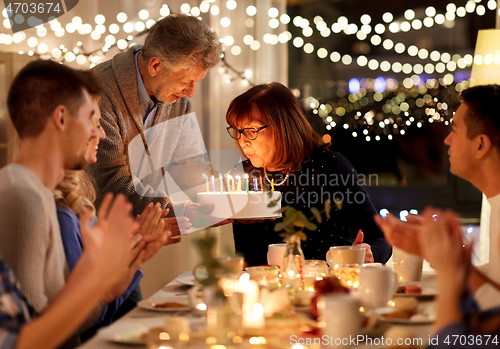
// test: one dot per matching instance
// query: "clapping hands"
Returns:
(442, 245)
(152, 224)
(403, 235)
(112, 248)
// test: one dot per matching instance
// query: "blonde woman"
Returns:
(74, 195)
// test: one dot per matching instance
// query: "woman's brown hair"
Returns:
(275, 105)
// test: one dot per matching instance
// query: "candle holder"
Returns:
(348, 274)
(224, 319)
(314, 270)
(265, 275)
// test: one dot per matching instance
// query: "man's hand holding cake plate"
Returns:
(199, 215)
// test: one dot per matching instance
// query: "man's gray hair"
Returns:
(182, 41)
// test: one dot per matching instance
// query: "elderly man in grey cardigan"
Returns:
(144, 87)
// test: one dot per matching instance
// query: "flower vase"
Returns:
(293, 263)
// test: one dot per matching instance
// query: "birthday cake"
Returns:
(242, 205)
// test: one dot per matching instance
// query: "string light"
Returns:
(143, 14)
(397, 111)
(444, 62)
(416, 24)
(121, 17)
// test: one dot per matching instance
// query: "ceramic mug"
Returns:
(338, 255)
(377, 284)
(275, 254)
(407, 266)
(339, 318)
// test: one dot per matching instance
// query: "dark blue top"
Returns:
(462, 335)
(72, 241)
(326, 175)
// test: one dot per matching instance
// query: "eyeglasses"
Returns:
(250, 133)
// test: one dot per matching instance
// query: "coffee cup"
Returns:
(339, 318)
(338, 255)
(407, 266)
(377, 284)
(275, 254)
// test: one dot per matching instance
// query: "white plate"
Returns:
(429, 289)
(410, 321)
(189, 279)
(149, 303)
(426, 315)
(129, 332)
(255, 218)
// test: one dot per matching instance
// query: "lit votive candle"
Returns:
(348, 275)
(254, 319)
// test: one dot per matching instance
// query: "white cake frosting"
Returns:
(239, 205)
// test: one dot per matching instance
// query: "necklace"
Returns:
(275, 183)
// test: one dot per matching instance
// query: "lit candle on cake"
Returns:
(255, 184)
(206, 179)
(213, 183)
(229, 179)
(246, 180)
(272, 184)
(261, 184)
(239, 183)
(221, 177)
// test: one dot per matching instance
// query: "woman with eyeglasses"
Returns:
(270, 128)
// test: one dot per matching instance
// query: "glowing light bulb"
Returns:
(387, 17)
(121, 17)
(100, 19)
(273, 12)
(251, 10)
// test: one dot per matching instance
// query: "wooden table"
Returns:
(149, 318)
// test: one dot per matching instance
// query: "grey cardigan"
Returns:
(171, 144)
